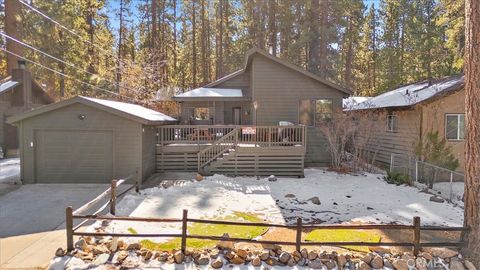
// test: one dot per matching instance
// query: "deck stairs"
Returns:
(218, 150)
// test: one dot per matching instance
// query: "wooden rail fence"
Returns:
(415, 243)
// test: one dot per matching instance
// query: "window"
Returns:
(455, 127)
(201, 113)
(391, 123)
(312, 112)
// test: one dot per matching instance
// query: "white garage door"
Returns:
(73, 156)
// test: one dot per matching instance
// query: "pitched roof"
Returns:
(248, 59)
(131, 111)
(412, 94)
(210, 93)
(7, 85)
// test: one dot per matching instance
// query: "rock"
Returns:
(81, 244)
(225, 244)
(387, 263)
(264, 255)
(60, 252)
(147, 255)
(163, 257)
(296, 255)
(437, 199)
(114, 244)
(284, 257)
(330, 264)
(469, 265)
(400, 264)
(121, 256)
(101, 259)
(304, 253)
(363, 266)
(443, 252)
(312, 255)
(380, 250)
(408, 257)
(96, 250)
(242, 253)
(290, 195)
(214, 253)
(134, 246)
(367, 258)
(178, 256)
(229, 255)
(202, 260)
(315, 264)
(199, 177)
(105, 223)
(237, 260)
(456, 264)
(302, 262)
(291, 262)
(421, 263)
(341, 261)
(271, 261)
(217, 263)
(257, 261)
(377, 262)
(426, 255)
(272, 178)
(315, 200)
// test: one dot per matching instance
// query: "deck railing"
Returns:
(258, 136)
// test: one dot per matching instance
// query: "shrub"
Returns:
(397, 178)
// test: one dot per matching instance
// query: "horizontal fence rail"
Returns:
(415, 243)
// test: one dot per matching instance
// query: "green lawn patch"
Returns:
(211, 230)
(343, 235)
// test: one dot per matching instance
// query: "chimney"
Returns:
(21, 64)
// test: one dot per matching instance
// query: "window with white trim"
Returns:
(455, 126)
(391, 123)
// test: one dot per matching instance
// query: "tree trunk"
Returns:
(204, 43)
(272, 25)
(91, 34)
(12, 26)
(120, 45)
(323, 49)
(472, 147)
(219, 41)
(194, 46)
(154, 32)
(314, 46)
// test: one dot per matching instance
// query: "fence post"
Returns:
(298, 242)
(184, 230)
(69, 227)
(391, 161)
(137, 180)
(416, 171)
(113, 196)
(451, 186)
(416, 235)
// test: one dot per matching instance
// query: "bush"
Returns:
(397, 178)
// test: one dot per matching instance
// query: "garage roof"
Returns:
(215, 93)
(128, 110)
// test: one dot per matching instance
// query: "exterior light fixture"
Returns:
(82, 116)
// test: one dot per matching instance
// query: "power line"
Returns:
(60, 60)
(63, 74)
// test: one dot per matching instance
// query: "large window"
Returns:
(391, 123)
(314, 111)
(455, 127)
(201, 113)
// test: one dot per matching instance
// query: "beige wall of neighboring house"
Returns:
(413, 123)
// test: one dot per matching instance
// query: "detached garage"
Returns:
(87, 140)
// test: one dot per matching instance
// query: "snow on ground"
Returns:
(9, 170)
(344, 198)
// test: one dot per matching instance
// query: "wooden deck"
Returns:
(232, 150)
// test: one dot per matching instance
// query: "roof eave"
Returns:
(181, 99)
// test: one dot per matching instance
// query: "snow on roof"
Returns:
(411, 94)
(132, 109)
(353, 101)
(211, 92)
(8, 85)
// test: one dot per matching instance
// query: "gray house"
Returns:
(267, 91)
(87, 140)
(18, 93)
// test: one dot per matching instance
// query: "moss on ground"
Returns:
(344, 235)
(211, 230)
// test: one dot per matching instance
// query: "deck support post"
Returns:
(416, 235)
(184, 230)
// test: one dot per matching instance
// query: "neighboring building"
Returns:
(403, 117)
(266, 92)
(87, 140)
(18, 93)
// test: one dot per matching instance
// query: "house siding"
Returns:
(278, 90)
(241, 81)
(127, 137)
(149, 136)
